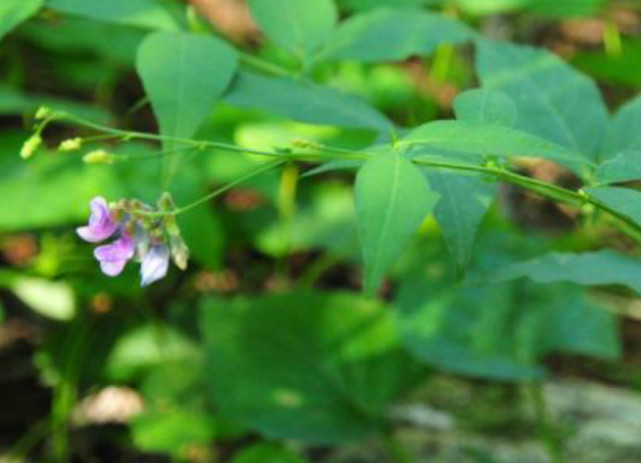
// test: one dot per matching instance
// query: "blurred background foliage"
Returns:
(264, 351)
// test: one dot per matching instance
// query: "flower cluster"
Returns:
(150, 236)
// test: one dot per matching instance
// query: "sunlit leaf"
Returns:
(55, 300)
(13, 12)
(171, 432)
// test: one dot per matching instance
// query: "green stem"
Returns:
(398, 452)
(262, 65)
(547, 430)
(225, 188)
(547, 190)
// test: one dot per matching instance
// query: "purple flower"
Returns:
(155, 263)
(113, 257)
(101, 223)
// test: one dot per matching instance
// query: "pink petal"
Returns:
(112, 268)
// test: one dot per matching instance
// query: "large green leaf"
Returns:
(623, 167)
(485, 106)
(624, 131)
(623, 200)
(141, 13)
(393, 34)
(464, 202)
(304, 101)
(553, 100)
(590, 269)
(299, 26)
(184, 75)
(311, 366)
(502, 331)
(393, 197)
(13, 12)
(487, 139)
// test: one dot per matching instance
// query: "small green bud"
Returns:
(98, 157)
(306, 144)
(179, 251)
(43, 112)
(72, 144)
(31, 146)
(166, 202)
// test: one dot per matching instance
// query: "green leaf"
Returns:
(299, 26)
(318, 367)
(393, 35)
(624, 130)
(500, 331)
(485, 106)
(622, 200)
(393, 198)
(171, 432)
(589, 269)
(141, 13)
(53, 300)
(42, 180)
(304, 101)
(14, 12)
(267, 453)
(148, 346)
(464, 201)
(566, 8)
(365, 5)
(553, 101)
(624, 167)
(184, 75)
(487, 139)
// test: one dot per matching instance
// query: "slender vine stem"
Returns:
(326, 153)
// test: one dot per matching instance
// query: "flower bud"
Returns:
(166, 203)
(306, 144)
(179, 251)
(31, 146)
(98, 157)
(72, 144)
(43, 113)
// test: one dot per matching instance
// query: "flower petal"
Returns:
(112, 268)
(121, 249)
(101, 223)
(155, 264)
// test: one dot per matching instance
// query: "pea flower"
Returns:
(145, 235)
(101, 222)
(113, 257)
(154, 265)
